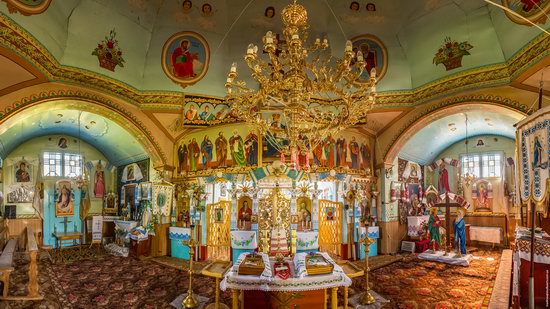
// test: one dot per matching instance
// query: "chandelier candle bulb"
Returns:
(234, 67)
(360, 56)
(349, 47)
(250, 49)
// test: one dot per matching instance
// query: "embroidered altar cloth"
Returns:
(307, 240)
(244, 240)
(268, 282)
(487, 234)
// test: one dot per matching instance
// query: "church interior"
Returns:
(276, 154)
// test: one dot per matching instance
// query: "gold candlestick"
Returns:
(190, 301)
(367, 298)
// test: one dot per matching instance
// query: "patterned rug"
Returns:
(415, 283)
(104, 281)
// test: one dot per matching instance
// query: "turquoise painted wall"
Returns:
(32, 150)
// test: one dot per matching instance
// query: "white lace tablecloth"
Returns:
(307, 240)
(414, 225)
(486, 234)
(233, 280)
(244, 240)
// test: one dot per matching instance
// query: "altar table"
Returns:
(487, 234)
(177, 236)
(242, 242)
(374, 233)
(521, 271)
(307, 242)
(270, 291)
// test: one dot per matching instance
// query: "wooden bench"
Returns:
(32, 250)
(6, 265)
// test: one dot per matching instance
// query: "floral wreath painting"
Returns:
(185, 58)
(108, 53)
(451, 53)
(27, 7)
(374, 53)
(534, 11)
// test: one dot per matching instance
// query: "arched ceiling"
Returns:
(117, 144)
(425, 146)
(412, 31)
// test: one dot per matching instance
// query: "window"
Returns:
(491, 165)
(52, 164)
(482, 165)
(470, 164)
(72, 165)
(57, 164)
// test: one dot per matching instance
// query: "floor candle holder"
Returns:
(367, 298)
(190, 301)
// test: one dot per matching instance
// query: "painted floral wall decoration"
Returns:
(451, 53)
(108, 52)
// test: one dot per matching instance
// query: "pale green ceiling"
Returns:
(117, 144)
(426, 144)
(412, 31)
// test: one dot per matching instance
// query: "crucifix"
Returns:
(65, 222)
(447, 205)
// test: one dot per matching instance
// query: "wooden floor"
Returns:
(503, 282)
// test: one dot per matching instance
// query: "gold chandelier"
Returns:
(304, 95)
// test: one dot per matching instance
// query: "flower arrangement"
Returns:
(108, 53)
(200, 195)
(451, 53)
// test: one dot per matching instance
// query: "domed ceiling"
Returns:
(411, 31)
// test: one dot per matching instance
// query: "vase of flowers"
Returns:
(451, 53)
(108, 52)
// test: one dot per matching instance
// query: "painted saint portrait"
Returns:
(374, 53)
(185, 58)
(145, 190)
(99, 185)
(354, 6)
(62, 143)
(482, 194)
(329, 212)
(64, 202)
(269, 12)
(28, 7)
(23, 171)
(535, 11)
(187, 5)
(206, 10)
(371, 7)
(304, 214)
(218, 215)
(244, 213)
(110, 203)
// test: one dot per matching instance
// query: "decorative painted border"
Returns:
(488, 99)
(16, 38)
(34, 99)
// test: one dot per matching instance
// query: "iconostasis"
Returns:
(234, 189)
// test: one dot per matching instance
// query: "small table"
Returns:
(352, 271)
(217, 270)
(61, 236)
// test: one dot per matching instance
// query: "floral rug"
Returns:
(116, 282)
(415, 283)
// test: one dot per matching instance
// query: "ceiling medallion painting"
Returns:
(185, 58)
(108, 53)
(292, 76)
(27, 7)
(374, 53)
(451, 53)
(534, 11)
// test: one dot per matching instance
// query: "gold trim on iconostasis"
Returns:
(330, 226)
(218, 227)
